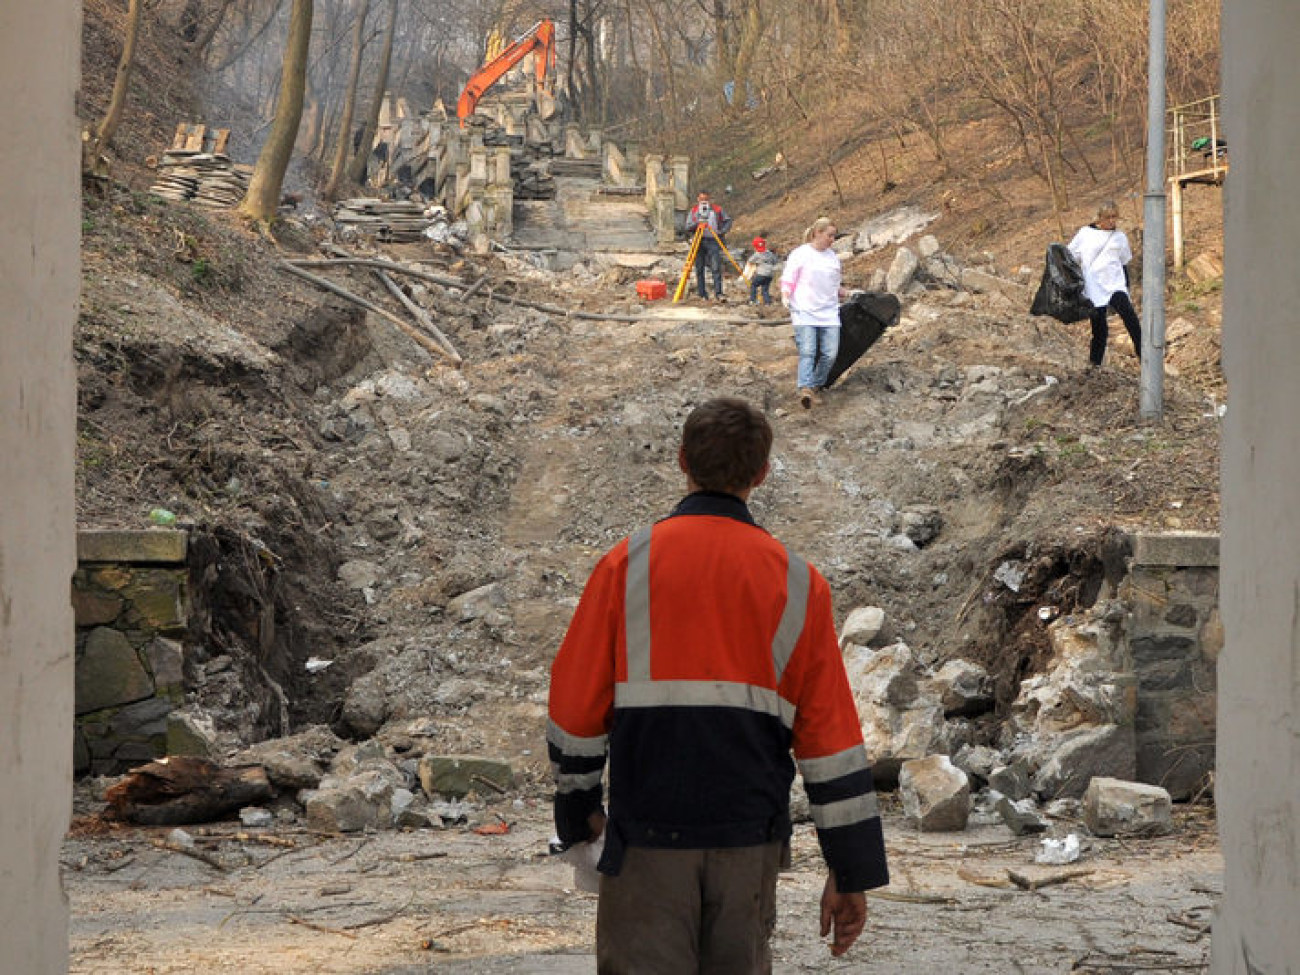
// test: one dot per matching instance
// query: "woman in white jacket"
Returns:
(1102, 250)
(810, 288)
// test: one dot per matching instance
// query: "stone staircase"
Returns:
(582, 219)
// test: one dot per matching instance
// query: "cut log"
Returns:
(420, 315)
(181, 789)
(424, 341)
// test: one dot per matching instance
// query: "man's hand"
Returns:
(847, 913)
(596, 823)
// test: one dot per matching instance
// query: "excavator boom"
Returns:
(541, 38)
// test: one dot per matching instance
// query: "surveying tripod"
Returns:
(696, 242)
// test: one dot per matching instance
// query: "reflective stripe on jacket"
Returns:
(701, 654)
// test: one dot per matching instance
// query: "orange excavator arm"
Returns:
(541, 39)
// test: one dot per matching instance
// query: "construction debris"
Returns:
(208, 179)
(395, 221)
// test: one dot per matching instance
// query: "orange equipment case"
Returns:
(651, 289)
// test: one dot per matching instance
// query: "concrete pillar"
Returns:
(536, 132)
(1257, 783)
(499, 202)
(501, 167)
(679, 168)
(573, 147)
(613, 165)
(40, 50)
(664, 215)
(654, 177)
(633, 160)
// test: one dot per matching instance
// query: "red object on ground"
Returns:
(651, 290)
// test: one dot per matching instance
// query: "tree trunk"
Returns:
(263, 197)
(103, 135)
(181, 789)
(335, 181)
(357, 171)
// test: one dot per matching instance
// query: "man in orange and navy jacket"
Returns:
(701, 654)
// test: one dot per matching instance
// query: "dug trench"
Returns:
(387, 549)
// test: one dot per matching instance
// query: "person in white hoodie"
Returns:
(811, 289)
(1102, 250)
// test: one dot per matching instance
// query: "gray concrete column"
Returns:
(1257, 782)
(501, 166)
(654, 176)
(573, 147)
(40, 49)
(665, 216)
(680, 170)
(613, 165)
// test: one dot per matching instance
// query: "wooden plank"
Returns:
(220, 138)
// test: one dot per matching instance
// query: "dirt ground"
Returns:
(453, 901)
(574, 423)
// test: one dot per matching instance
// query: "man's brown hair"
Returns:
(725, 444)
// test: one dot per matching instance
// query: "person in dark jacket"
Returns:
(702, 655)
(716, 223)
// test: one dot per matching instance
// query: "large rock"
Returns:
(887, 676)
(297, 762)
(935, 793)
(1112, 807)
(109, 673)
(892, 228)
(366, 705)
(965, 689)
(864, 627)
(901, 271)
(1077, 757)
(348, 805)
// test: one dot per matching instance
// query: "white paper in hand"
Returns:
(584, 857)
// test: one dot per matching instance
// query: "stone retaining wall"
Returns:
(1174, 634)
(130, 595)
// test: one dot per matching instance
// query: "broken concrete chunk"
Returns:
(864, 627)
(977, 761)
(921, 524)
(1012, 780)
(965, 689)
(901, 271)
(363, 801)
(366, 705)
(458, 776)
(935, 793)
(296, 762)
(1021, 816)
(1079, 756)
(1112, 807)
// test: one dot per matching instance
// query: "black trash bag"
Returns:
(1060, 294)
(863, 319)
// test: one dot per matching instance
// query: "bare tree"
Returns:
(95, 143)
(337, 168)
(357, 171)
(262, 200)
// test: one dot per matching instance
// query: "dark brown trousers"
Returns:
(689, 912)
